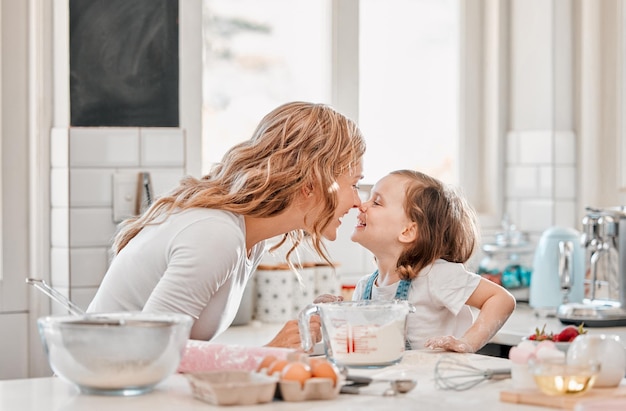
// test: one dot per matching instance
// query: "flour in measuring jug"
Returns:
(368, 344)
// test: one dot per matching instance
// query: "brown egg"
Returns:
(266, 362)
(276, 366)
(296, 371)
(325, 369)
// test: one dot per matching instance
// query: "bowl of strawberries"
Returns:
(562, 339)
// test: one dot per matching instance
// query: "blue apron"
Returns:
(402, 293)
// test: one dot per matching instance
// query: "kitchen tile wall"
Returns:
(540, 180)
(84, 162)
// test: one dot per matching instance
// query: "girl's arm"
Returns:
(496, 305)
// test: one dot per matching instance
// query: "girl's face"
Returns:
(382, 221)
(347, 186)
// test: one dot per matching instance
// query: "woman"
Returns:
(194, 250)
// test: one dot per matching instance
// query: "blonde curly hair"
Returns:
(296, 145)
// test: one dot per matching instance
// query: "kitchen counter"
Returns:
(54, 394)
(522, 323)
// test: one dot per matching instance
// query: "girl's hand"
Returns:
(328, 298)
(449, 343)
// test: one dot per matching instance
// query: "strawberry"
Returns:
(540, 335)
(569, 333)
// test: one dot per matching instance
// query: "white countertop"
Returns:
(523, 322)
(54, 394)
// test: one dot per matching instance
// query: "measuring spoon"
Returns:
(397, 386)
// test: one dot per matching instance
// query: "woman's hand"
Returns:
(289, 335)
(448, 343)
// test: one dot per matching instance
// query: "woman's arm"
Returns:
(495, 304)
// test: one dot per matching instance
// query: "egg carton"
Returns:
(315, 388)
(234, 387)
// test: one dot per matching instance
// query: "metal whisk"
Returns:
(452, 373)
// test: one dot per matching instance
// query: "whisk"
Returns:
(452, 373)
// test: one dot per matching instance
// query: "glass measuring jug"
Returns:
(365, 334)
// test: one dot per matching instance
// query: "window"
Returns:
(260, 54)
(408, 88)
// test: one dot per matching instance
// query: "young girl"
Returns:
(194, 250)
(421, 232)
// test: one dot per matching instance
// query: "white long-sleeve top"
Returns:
(194, 262)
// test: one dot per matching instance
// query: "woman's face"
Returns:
(347, 189)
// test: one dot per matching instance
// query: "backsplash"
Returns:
(84, 162)
(540, 180)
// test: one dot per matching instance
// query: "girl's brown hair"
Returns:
(296, 145)
(446, 224)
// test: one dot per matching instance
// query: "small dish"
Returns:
(558, 377)
(232, 387)
(562, 346)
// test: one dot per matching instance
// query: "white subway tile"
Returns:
(83, 296)
(59, 147)
(91, 187)
(162, 147)
(165, 180)
(535, 147)
(88, 266)
(545, 182)
(59, 187)
(565, 148)
(55, 307)
(522, 182)
(536, 215)
(565, 182)
(59, 227)
(91, 227)
(511, 207)
(60, 266)
(104, 147)
(565, 214)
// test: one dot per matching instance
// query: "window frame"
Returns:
(482, 94)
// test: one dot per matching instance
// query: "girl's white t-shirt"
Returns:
(439, 293)
(194, 262)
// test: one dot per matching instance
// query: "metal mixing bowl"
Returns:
(115, 354)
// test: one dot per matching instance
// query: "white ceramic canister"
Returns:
(607, 350)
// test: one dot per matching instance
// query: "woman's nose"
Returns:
(357, 200)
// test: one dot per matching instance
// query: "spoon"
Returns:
(397, 386)
(400, 386)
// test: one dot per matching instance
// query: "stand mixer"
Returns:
(604, 241)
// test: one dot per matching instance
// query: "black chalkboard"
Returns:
(124, 63)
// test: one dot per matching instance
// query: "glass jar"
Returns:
(508, 261)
